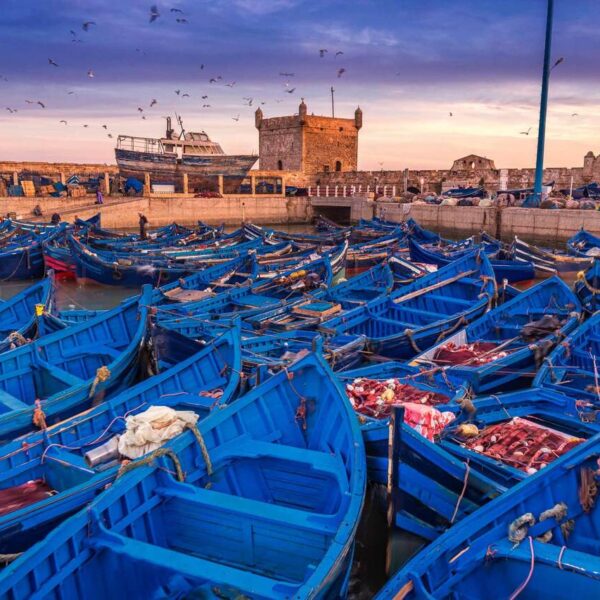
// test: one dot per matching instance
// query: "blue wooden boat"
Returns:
(312, 310)
(18, 315)
(584, 244)
(22, 258)
(419, 315)
(284, 463)
(573, 366)
(76, 458)
(511, 270)
(538, 539)
(406, 271)
(548, 261)
(504, 348)
(65, 372)
(587, 287)
(332, 238)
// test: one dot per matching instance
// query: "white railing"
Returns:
(328, 191)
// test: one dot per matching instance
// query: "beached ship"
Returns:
(167, 159)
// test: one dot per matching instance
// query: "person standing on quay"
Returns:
(143, 223)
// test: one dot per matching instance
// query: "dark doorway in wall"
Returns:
(280, 165)
(413, 190)
(339, 214)
(338, 165)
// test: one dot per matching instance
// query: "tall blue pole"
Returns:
(539, 164)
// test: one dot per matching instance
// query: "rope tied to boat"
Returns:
(17, 339)
(462, 493)
(517, 530)
(102, 375)
(518, 591)
(588, 488)
(301, 411)
(409, 334)
(485, 279)
(6, 559)
(126, 467)
(558, 512)
(205, 455)
(593, 290)
(445, 333)
(39, 416)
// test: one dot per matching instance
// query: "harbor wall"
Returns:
(533, 224)
(122, 212)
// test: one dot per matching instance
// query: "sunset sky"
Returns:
(408, 64)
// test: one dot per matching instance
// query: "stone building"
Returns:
(473, 162)
(307, 143)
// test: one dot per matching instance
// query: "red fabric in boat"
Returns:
(451, 354)
(522, 444)
(372, 398)
(19, 496)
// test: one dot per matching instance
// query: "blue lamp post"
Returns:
(539, 165)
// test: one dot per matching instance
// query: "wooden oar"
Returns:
(434, 286)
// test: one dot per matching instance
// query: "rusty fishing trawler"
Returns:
(169, 158)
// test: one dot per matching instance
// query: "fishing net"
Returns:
(19, 496)
(520, 443)
(478, 353)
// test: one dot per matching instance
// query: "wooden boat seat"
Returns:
(430, 316)
(8, 402)
(450, 300)
(190, 567)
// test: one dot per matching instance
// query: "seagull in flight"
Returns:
(41, 104)
(52, 62)
(110, 135)
(153, 102)
(451, 114)
(63, 121)
(11, 110)
(291, 90)
(230, 84)
(206, 106)
(154, 14)
(204, 97)
(286, 74)
(322, 52)
(70, 93)
(338, 53)
(575, 115)
(525, 132)
(236, 118)
(176, 10)
(341, 72)
(182, 21)
(178, 92)
(140, 109)
(90, 74)
(104, 126)
(186, 95)
(86, 26)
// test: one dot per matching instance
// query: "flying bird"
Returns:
(204, 97)
(525, 132)
(176, 10)
(236, 118)
(85, 125)
(11, 110)
(144, 117)
(338, 53)
(73, 33)
(90, 74)
(560, 60)
(52, 62)
(70, 93)
(109, 135)
(212, 80)
(286, 74)
(206, 106)
(230, 84)
(291, 90)
(451, 114)
(341, 72)
(178, 92)
(86, 26)
(104, 126)
(63, 121)
(182, 21)
(154, 14)
(153, 102)
(186, 95)
(41, 104)
(140, 109)
(322, 52)
(575, 115)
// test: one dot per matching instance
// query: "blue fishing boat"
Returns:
(584, 244)
(67, 465)
(504, 268)
(65, 372)
(285, 462)
(314, 308)
(587, 287)
(548, 261)
(504, 348)
(573, 366)
(419, 315)
(19, 314)
(406, 271)
(22, 258)
(538, 539)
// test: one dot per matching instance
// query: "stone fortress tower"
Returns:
(308, 143)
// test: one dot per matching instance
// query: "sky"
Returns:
(407, 63)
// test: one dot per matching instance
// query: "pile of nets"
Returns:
(520, 443)
(478, 353)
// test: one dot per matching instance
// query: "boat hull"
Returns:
(202, 171)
